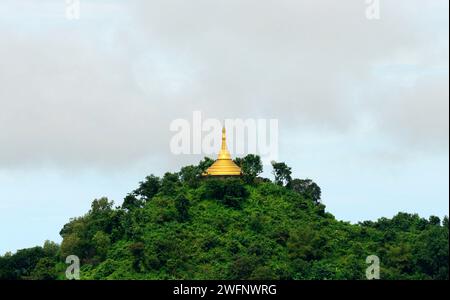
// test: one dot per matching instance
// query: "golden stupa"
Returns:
(224, 165)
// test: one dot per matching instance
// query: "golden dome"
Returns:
(224, 165)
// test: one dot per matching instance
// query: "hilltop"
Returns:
(184, 226)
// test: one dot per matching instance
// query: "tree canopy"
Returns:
(184, 226)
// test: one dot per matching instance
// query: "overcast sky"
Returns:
(86, 104)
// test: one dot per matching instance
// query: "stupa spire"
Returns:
(224, 165)
(224, 153)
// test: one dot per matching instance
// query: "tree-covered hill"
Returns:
(183, 226)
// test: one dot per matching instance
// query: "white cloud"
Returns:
(102, 91)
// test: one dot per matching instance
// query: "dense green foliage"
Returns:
(182, 226)
(282, 173)
(251, 167)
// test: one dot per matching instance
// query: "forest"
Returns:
(185, 226)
